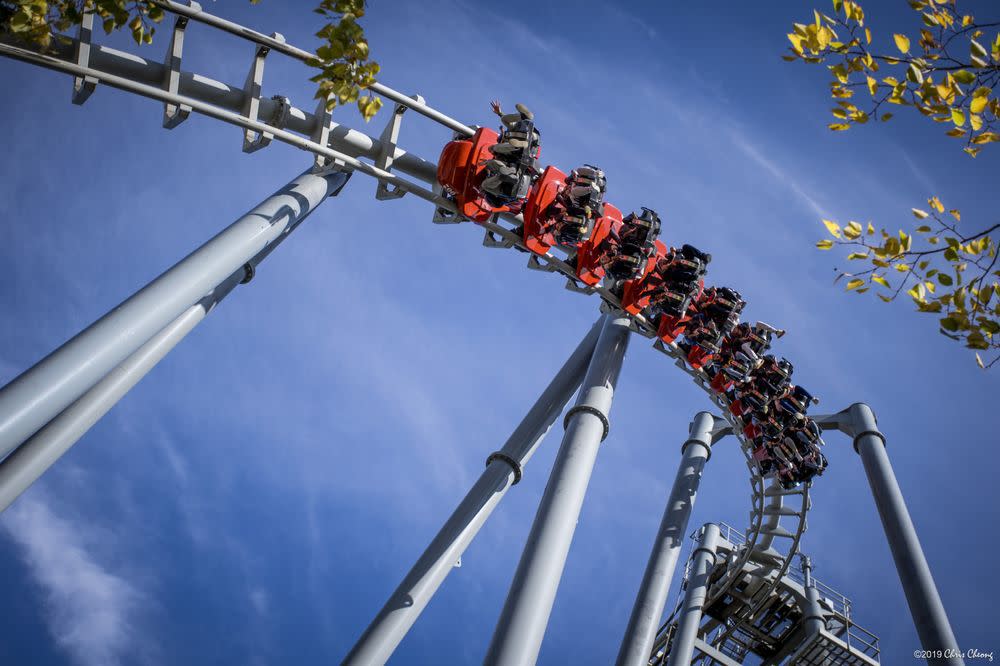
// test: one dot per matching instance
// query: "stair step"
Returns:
(761, 572)
(777, 531)
(769, 556)
(778, 491)
(780, 511)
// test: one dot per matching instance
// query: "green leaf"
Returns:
(945, 279)
(964, 76)
(949, 324)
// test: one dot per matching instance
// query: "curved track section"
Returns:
(777, 516)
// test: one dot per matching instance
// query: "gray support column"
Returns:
(40, 393)
(689, 620)
(519, 632)
(652, 597)
(30, 460)
(813, 619)
(928, 612)
(503, 470)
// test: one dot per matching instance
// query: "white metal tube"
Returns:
(519, 632)
(385, 632)
(929, 616)
(40, 393)
(652, 596)
(703, 560)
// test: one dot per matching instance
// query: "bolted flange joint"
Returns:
(514, 464)
(589, 410)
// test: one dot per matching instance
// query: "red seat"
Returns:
(590, 256)
(636, 293)
(461, 169)
(538, 236)
(721, 382)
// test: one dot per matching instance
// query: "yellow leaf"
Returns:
(985, 137)
(919, 214)
(868, 35)
(957, 215)
(957, 117)
(833, 228)
(838, 127)
(873, 86)
(976, 122)
(980, 98)
(936, 204)
(923, 229)
(825, 244)
(902, 42)
(871, 229)
(979, 361)
(852, 230)
(881, 280)
(854, 255)
(854, 284)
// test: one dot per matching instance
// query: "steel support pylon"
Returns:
(45, 390)
(521, 627)
(503, 470)
(32, 458)
(703, 559)
(652, 597)
(929, 617)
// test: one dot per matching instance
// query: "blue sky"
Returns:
(259, 495)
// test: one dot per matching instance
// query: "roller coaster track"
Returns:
(776, 527)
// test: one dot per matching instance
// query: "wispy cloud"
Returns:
(781, 175)
(90, 610)
(260, 600)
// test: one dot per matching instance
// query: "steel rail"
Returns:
(218, 113)
(276, 42)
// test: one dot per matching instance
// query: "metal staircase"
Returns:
(759, 614)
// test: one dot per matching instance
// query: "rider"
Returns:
(578, 204)
(794, 402)
(509, 175)
(718, 314)
(741, 350)
(629, 245)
